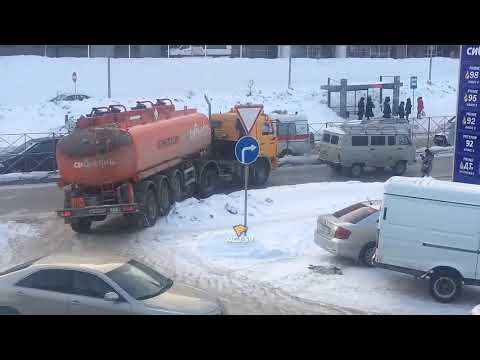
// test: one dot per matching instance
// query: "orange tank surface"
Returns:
(112, 146)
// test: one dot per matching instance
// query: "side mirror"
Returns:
(111, 296)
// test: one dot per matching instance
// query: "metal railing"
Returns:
(422, 134)
(27, 152)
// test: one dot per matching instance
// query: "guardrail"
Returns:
(27, 152)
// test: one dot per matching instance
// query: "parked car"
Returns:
(430, 229)
(33, 155)
(95, 285)
(350, 232)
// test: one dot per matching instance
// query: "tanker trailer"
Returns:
(139, 162)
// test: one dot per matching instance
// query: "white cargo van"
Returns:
(431, 229)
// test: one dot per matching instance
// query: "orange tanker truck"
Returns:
(139, 161)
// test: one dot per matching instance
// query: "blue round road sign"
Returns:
(247, 150)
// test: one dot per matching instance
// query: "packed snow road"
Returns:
(48, 197)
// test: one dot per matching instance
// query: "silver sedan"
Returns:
(92, 285)
(350, 232)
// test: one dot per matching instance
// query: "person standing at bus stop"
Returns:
(420, 107)
(369, 108)
(361, 108)
(408, 108)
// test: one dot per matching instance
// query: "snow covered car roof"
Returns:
(429, 188)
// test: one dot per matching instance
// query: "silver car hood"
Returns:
(184, 299)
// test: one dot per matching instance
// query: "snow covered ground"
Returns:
(12, 235)
(28, 82)
(282, 221)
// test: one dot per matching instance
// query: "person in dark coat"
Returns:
(387, 110)
(401, 110)
(361, 108)
(408, 108)
(427, 162)
(369, 108)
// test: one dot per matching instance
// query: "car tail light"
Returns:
(342, 233)
(67, 213)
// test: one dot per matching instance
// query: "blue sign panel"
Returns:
(466, 166)
(413, 82)
(247, 150)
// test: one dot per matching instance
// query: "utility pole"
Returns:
(168, 51)
(430, 66)
(241, 51)
(289, 66)
(108, 79)
(45, 50)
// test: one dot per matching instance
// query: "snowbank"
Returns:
(282, 221)
(11, 235)
(28, 82)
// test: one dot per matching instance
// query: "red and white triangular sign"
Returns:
(248, 115)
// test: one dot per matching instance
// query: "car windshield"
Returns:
(140, 281)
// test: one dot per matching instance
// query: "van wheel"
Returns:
(445, 286)
(356, 170)
(367, 254)
(164, 198)
(399, 168)
(337, 168)
(285, 153)
(81, 225)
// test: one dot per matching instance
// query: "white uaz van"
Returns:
(378, 144)
(431, 229)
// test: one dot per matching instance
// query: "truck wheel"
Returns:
(150, 210)
(176, 187)
(164, 198)
(259, 173)
(208, 182)
(81, 225)
(356, 170)
(445, 286)
(399, 168)
(367, 253)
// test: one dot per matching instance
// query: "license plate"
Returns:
(115, 210)
(97, 211)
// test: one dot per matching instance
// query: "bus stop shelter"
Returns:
(344, 87)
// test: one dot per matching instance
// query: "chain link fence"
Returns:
(28, 152)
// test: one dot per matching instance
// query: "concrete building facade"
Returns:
(249, 51)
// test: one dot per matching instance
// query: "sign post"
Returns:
(466, 166)
(74, 79)
(247, 150)
(413, 86)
